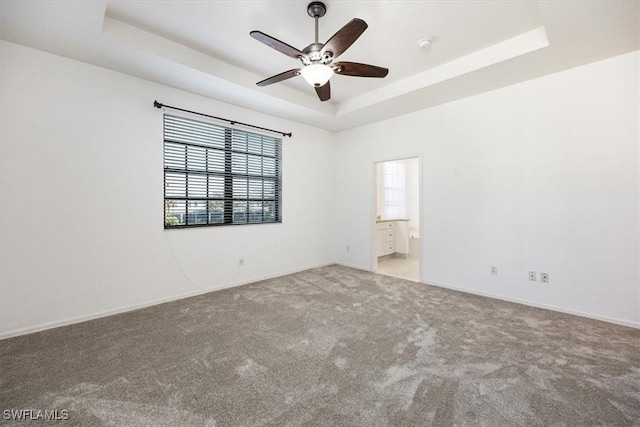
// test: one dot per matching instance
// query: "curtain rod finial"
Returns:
(157, 104)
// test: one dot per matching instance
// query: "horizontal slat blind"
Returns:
(214, 175)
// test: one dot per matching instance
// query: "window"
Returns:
(395, 194)
(214, 175)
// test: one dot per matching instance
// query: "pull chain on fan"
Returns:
(317, 58)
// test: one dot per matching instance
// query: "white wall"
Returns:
(539, 176)
(380, 190)
(81, 219)
(413, 195)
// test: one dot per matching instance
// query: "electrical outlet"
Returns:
(494, 270)
(241, 261)
(532, 276)
(544, 277)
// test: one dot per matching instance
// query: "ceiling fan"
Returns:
(317, 58)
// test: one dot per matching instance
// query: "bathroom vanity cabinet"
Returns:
(392, 237)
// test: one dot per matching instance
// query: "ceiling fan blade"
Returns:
(277, 44)
(345, 37)
(359, 70)
(279, 77)
(324, 92)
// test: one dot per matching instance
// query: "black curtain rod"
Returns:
(232, 122)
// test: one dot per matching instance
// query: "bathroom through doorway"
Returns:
(397, 221)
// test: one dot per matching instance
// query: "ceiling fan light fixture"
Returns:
(317, 75)
(318, 59)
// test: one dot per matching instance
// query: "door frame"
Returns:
(374, 210)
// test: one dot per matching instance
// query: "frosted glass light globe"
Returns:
(317, 74)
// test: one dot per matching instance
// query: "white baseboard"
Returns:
(357, 267)
(124, 309)
(523, 302)
(538, 305)
(132, 307)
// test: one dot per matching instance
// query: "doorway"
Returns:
(397, 219)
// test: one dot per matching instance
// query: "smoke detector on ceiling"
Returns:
(425, 43)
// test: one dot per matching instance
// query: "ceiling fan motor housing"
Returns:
(315, 54)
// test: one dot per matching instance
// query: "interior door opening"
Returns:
(397, 221)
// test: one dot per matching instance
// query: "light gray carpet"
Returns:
(331, 346)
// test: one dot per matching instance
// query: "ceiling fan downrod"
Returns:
(316, 10)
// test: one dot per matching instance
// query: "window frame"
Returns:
(230, 195)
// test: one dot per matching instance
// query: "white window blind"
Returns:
(215, 175)
(395, 192)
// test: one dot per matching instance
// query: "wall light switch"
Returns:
(544, 277)
(532, 276)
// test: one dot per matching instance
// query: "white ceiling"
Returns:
(205, 48)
